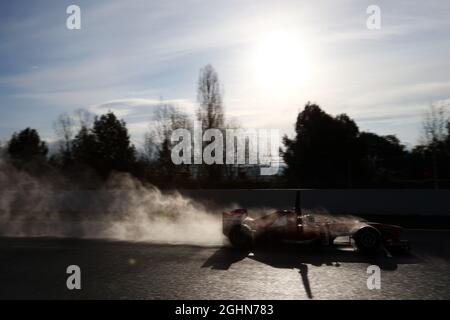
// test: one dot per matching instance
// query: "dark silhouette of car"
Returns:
(245, 232)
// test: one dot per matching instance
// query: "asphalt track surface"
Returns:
(36, 269)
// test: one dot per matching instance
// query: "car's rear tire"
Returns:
(240, 237)
(367, 240)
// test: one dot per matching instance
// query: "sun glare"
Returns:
(280, 62)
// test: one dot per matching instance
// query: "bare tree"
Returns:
(210, 112)
(167, 118)
(434, 133)
(67, 126)
(232, 170)
(64, 129)
(435, 124)
(158, 144)
(83, 118)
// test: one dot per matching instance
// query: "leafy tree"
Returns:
(26, 148)
(322, 151)
(330, 151)
(106, 147)
(383, 157)
(84, 147)
(114, 149)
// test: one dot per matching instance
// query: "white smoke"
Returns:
(123, 209)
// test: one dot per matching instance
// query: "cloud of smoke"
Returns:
(123, 209)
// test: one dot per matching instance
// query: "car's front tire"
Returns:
(367, 240)
(240, 237)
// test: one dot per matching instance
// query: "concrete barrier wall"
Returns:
(361, 201)
(351, 201)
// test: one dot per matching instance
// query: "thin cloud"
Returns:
(128, 55)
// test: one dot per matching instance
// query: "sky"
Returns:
(271, 56)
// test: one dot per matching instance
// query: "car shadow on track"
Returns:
(299, 257)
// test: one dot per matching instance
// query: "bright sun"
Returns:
(280, 63)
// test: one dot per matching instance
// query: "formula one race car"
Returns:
(245, 232)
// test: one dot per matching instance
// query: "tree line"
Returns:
(331, 152)
(326, 151)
